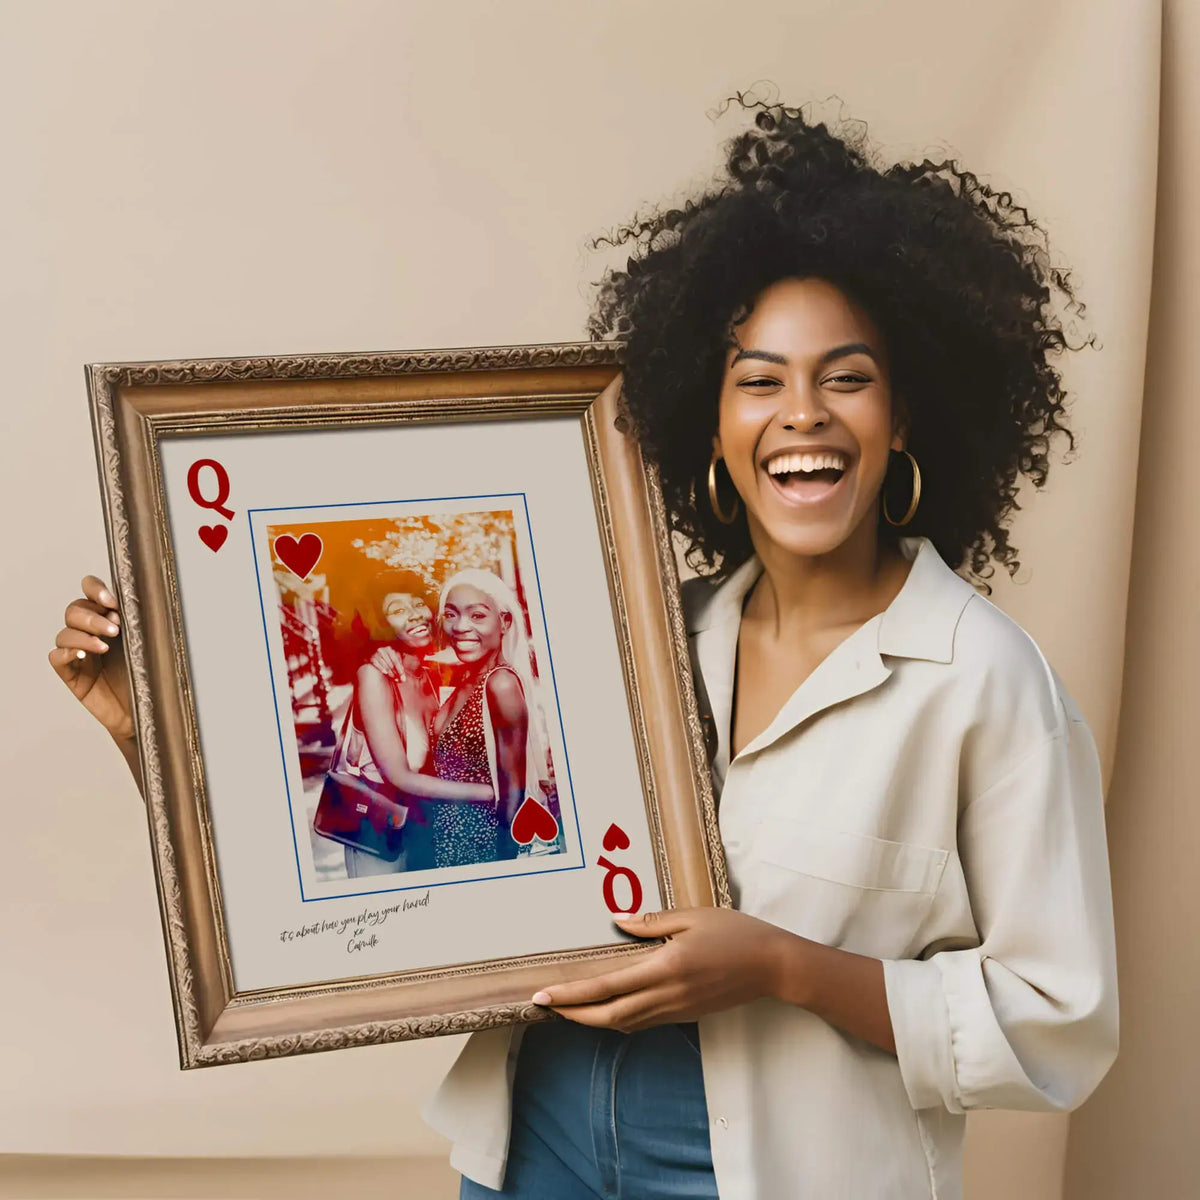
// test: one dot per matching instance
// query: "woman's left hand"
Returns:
(714, 958)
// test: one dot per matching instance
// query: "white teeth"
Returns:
(787, 464)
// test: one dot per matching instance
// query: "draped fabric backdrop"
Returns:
(261, 176)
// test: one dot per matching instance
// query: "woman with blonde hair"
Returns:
(489, 731)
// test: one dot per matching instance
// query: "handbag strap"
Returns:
(339, 747)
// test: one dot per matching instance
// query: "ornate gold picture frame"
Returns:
(250, 504)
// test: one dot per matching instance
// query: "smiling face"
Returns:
(473, 624)
(411, 621)
(806, 418)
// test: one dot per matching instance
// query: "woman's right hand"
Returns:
(88, 658)
(387, 661)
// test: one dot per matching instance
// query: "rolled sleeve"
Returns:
(1028, 1019)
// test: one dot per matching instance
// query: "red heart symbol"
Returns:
(533, 820)
(213, 536)
(299, 556)
(615, 838)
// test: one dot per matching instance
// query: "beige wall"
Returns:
(240, 178)
(1138, 1135)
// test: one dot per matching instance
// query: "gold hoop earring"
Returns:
(916, 494)
(714, 499)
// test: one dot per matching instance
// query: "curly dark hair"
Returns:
(956, 276)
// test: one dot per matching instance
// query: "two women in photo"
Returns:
(465, 766)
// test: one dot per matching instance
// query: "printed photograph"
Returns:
(419, 708)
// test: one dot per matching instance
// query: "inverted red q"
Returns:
(635, 886)
(217, 503)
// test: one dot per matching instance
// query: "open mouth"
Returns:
(418, 631)
(807, 478)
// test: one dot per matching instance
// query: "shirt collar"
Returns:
(920, 622)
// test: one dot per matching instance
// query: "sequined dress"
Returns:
(463, 832)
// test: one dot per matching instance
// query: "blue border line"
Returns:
(305, 899)
(553, 677)
(262, 608)
(378, 503)
(425, 887)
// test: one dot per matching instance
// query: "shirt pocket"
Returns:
(850, 890)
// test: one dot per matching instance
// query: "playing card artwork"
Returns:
(394, 629)
(411, 714)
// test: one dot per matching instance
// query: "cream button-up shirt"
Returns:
(930, 796)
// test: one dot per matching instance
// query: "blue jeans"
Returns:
(599, 1115)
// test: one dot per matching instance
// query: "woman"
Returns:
(842, 372)
(387, 735)
(489, 729)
